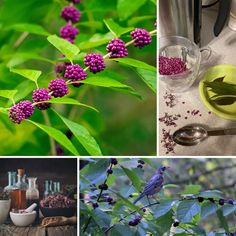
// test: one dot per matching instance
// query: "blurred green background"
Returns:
(125, 124)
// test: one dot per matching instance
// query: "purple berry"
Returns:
(75, 73)
(230, 201)
(144, 209)
(58, 87)
(133, 222)
(95, 205)
(221, 202)
(70, 13)
(141, 162)
(141, 37)
(200, 199)
(95, 62)
(114, 161)
(109, 199)
(109, 171)
(21, 111)
(103, 186)
(69, 32)
(211, 200)
(40, 95)
(176, 224)
(117, 48)
(60, 67)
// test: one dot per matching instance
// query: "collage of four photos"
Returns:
(117, 118)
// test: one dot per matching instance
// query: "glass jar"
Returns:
(32, 195)
(18, 196)
(46, 189)
(11, 182)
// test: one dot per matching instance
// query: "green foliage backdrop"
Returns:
(124, 94)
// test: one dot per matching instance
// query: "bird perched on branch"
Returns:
(154, 185)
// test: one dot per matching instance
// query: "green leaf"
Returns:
(121, 230)
(149, 77)
(83, 136)
(125, 9)
(211, 194)
(222, 220)
(163, 208)
(191, 189)
(30, 28)
(163, 223)
(96, 41)
(71, 101)
(29, 74)
(102, 219)
(133, 177)
(65, 47)
(116, 29)
(224, 99)
(104, 82)
(208, 208)
(187, 209)
(96, 171)
(58, 136)
(127, 202)
(135, 63)
(228, 209)
(221, 88)
(8, 94)
(138, 19)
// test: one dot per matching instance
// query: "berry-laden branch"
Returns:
(102, 187)
(74, 73)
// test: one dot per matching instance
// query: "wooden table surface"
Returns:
(11, 230)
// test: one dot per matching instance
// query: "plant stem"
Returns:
(121, 219)
(52, 142)
(98, 198)
(20, 39)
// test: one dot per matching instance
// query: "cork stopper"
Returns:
(21, 172)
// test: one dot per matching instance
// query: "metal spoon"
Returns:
(194, 134)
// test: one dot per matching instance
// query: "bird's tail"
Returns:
(138, 198)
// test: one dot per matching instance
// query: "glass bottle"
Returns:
(46, 189)
(50, 187)
(11, 187)
(19, 194)
(58, 187)
(11, 182)
(32, 195)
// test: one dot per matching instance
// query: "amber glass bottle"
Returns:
(18, 196)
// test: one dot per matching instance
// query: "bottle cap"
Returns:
(21, 172)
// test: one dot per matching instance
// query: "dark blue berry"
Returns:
(114, 161)
(109, 171)
(95, 205)
(103, 186)
(221, 202)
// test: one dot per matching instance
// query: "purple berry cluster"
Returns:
(117, 48)
(70, 13)
(75, 73)
(69, 32)
(40, 95)
(140, 164)
(58, 87)
(141, 37)
(135, 221)
(95, 62)
(21, 111)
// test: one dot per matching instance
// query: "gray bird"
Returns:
(154, 185)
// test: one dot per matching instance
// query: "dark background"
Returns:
(63, 170)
